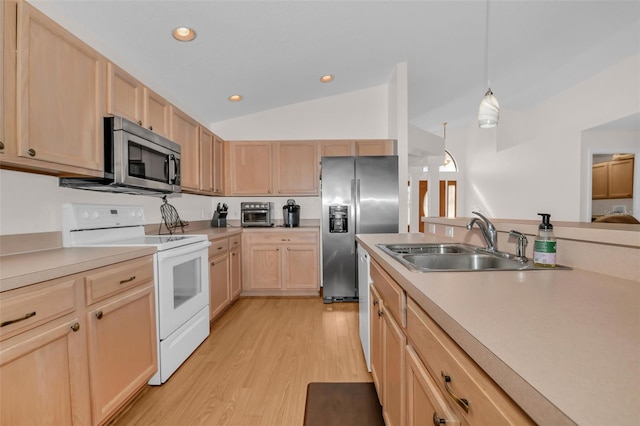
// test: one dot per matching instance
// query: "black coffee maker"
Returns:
(291, 214)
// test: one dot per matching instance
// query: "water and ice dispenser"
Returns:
(338, 222)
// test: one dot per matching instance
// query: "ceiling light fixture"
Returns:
(235, 98)
(489, 110)
(326, 78)
(184, 34)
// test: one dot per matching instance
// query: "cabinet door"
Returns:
(265, 267)
(621, 178)
(60, 94)
(301, 266)
(157, 113)
(297, 168)
(185, 131)
(207, 184)
(218, 166)
(124, 94)
(375, 324)
(425, 403)
(337, 148)
(374, 147)
(122, 349)
(235, 270)
(599, 181)
(44, 376)
(251, 168)
(393, 344)
(219, 288)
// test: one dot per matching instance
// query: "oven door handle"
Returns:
(181, 251)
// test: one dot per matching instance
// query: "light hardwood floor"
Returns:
(255, 366)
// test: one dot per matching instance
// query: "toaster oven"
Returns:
(256, 213)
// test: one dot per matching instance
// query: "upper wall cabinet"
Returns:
(347, 148)
(296, 168)
(58, 97)
(186, 132)
(612, 179)
(250, 168)
(211, 163)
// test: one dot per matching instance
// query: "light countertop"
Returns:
(564, 344)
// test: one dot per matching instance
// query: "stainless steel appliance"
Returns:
(364, 280)
(256, 213)
(359, 196)
(181, 275)
(136, 161)
(291, 214)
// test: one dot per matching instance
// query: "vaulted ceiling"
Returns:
(274, 52)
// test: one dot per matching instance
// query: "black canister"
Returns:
(291, 214)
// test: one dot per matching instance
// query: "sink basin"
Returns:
(456, 257)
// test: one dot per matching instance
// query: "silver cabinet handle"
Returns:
(26, 316)
(462, 402)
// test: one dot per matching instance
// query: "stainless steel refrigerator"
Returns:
(359, 196)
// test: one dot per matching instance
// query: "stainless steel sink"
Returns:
(458, 257)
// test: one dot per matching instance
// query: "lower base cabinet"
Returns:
(224, 274)
(75, 350)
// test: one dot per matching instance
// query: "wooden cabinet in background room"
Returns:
(186, 132)
(48, 53)
(374, 147)
(43, 359)
(337, 148)
(250, 168)
(296, 168)
(280, 263)
(612, 179)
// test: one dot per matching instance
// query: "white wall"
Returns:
(532, 161)
(398, 118)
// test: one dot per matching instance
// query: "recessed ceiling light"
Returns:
(235, 98)
(326, 78)
(184, 34)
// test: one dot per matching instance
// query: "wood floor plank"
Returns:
(255, 366)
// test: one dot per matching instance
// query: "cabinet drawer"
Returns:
(218, 247)
(234, 242)
(110, 280)
(457, 374)
(284, 238)
(390, 292)
(28, 307)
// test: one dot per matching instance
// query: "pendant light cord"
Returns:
(486, 48)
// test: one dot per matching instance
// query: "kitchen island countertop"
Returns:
(564, 344)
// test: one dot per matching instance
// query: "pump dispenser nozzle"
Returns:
(545, 221)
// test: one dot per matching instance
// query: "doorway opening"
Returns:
(447, 203)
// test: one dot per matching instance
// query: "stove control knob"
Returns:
(95, 215)
(84, 215)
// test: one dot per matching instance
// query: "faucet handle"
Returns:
(520, 245)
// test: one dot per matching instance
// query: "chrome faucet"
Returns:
(488, 230)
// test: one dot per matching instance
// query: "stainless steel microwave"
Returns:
(136, 161)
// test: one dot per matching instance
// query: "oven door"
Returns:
(183, 285)
(255, 218)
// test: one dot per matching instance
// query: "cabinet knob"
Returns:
(380, 312)
(375, 302)
(1, 145)
(99, 315)
(150, 127)
(139, 122)
(75, 327)
(437, 420)
(31, 152)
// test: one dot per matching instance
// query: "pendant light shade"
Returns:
(489, 110)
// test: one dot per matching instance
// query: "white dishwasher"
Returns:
(363, 302)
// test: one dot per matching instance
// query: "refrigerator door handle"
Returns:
(353, 213)
(357, 206)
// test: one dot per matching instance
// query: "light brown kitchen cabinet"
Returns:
(124, 94)
(612, 179)
(347, 148)
(296, 168)
(122, 342)
(156, 113)
(43, 359)
(273, 168)
(207, 185)
(375, 324)
(186, 132)
(280, 263)
(235, 266)
(219, 286)
(250, 168)
(425, 404)
(390, 363)
(46, 53)
(468, 391)
(218, 165)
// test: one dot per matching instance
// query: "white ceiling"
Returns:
(273, 52)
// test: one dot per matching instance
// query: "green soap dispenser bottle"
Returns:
(544, 248)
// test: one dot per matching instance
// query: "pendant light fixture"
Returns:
(489, 110)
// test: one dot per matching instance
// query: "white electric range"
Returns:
(181, 275)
